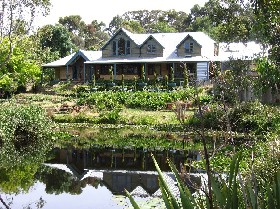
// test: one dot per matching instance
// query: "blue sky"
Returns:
(105, 10)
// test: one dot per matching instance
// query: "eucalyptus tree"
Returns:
(95, 35)
(85, 36)
(154, 21)
(225, 21)
(18, 11)
(268, 27)
(76, 26)
(56, 38)
(175, 19)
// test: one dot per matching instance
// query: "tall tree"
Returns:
(56, 38)
(76, 26)
(225, 20)
(16, 11)
(94, 35)
(21, 68)
(155, 21)
(268, 27)
(85, 36)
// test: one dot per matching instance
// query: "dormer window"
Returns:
(121, 47)
(127, 47)
(151, 49)
(188, 47)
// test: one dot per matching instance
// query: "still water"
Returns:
(96, 178)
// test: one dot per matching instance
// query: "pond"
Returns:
(96, 178)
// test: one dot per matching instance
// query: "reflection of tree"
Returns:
(58, 181)
(16, 179)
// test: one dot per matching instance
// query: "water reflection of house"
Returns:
(120, 169)
(120, 159)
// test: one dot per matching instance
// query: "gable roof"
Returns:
(169, 42)
(129, 34)
(188, 36)
(87, 55)
(149, 37)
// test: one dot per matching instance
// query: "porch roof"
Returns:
(87, 55)
(117, 60)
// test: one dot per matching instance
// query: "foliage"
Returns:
(21, 69)
(220, 18)
(268, 18)
(16, 21)
(245, 117)
(230, 84)
(118, 136)
(85, 36)
(268, 76)
(18, 178)
(75, 118)
(25, 137)
(58, 181)
(254, 117)
(144, 21)
(110, 117)
(56, 38)
(139, 99)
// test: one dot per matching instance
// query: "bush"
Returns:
(110, 117)
(254, 117)
(25, 134)
(246, 117)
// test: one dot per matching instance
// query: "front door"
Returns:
(75, 72)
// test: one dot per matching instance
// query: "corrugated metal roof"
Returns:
(243, 51)
(169, 42)
(87, 55)
(116, 60)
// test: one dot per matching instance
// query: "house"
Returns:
(128, 53)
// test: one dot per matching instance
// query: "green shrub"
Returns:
(244, 117)
(109, 117)
(254, 117)
(25, 134)
(81, 89)
(147, 120)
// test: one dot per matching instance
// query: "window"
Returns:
(121, 47)
(188, 47)
(127, 69)
(114, 48)
(105, 69)
(127, 47)
(151, 48)
(153, 68)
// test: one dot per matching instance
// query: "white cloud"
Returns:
(105, 10)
